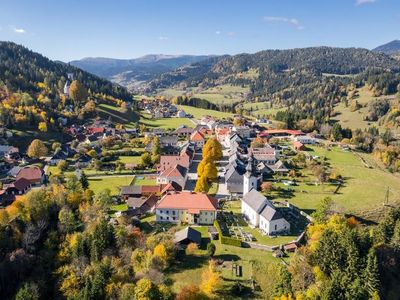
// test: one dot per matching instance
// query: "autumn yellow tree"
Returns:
(78, 93)
(211, 280)
(212, 150)
(202, 185)
(210, 171)
(37, 149)
(42, 126)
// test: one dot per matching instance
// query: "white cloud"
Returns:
(218, 32)
(19, 30)
(292, 21)
(163, 38)
(231, 33)
(361, 2)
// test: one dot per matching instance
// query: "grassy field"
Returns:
(165, 122)
(188, 270)
(109, 182)
(223, 94)
(199, 112)
(106, 110)
(363, 192)
(144, 181)
(354, 120)
(130, 159)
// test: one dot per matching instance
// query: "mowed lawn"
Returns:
(130, 159)
(364, 189)
(109, 182)
(166, 123)
(199, 112)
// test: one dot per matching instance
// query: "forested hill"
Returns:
(247, 68)
(22, 69)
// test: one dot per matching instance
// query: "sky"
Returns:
(72, 29)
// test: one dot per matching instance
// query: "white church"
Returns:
(257, 209)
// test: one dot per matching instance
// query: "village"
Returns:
(159, 169)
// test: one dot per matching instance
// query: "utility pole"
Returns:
(386, 197)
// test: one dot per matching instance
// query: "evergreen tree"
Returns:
(371, 273)
(395, 242)
(84, 181)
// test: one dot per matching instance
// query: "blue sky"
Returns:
(73, 29)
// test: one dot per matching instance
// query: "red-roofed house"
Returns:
(198, 139)
(298, 146)
(168, 161)
(187, 207)
(34, 174)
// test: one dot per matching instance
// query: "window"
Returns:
(276, 227)
(167, 218)
(173, 218)
(173, 212)
(161, 218)
(167, 212)
(160, 211)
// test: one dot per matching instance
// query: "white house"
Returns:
(305, 139)
(260, 212)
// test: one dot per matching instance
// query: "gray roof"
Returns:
(270, 213)
(261, 205)
(256, 200)
(234, 171)
(131, 190)
(188, 233)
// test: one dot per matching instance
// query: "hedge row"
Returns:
(226, 240)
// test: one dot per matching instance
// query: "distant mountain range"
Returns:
(266, 70)
(391, 48)
(133, 72)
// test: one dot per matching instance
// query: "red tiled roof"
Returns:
(175, 171)
(197, 136)
(168, 161)
(151, 189)
(21, 184)
(188, 200)
(33, 174)
(93, 130)
(297, 144)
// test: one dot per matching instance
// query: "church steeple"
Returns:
(249, 179)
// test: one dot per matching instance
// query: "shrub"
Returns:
(211, 249)
(191, 248)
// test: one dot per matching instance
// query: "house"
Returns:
(168, 161)
(130, 191)
(141, 205)
(291, 247)
(186, 236)
(33, 174)
(177, 173)
(260, 212)
(6, 150)
(280, 133)
(197, 139)
(305, 139)
(298, 146)
(243, 131)
(57, 157)
(18, 187)
(168, 140)
(83, 161)
(181, 114)
(184, 131)
(187, 207)
(234, 178)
